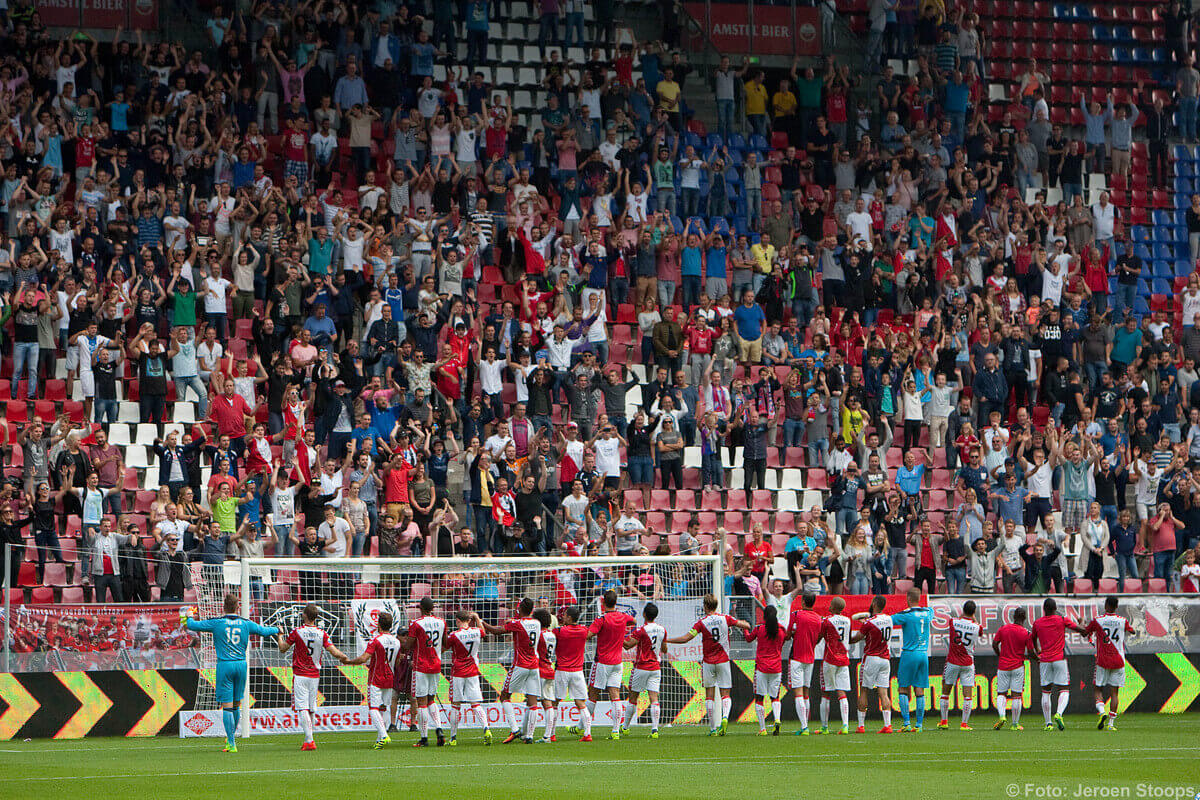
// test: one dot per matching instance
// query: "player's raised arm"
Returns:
(285, 644)
(683, 639)
(494, 630)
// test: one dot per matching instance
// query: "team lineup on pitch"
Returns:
(548, 657)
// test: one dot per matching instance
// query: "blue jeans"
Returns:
(181, 385)
(897, 562)
(574, 29)
(1126, 568)
(283, 541)
(859, 583)
(1109, 514)
(956, 579)
(25, 357)
(105, 411)
(1187, 117)
(754, 208)
(1123, 299)
(793, 432)
(1163, 561)
(548, 31)
(689, 202)
(725, 118)
(1095, 369)
(846, 519)
(758, 124)
(641, 470)
(712, 472)
(690, 286)
(1071, 189)
(818, 452)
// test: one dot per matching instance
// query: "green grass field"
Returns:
(1150, 756)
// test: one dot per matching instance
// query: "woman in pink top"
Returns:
(668, 269)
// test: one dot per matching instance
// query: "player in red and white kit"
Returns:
(804, 629)
(547, 650)
(1050, 642)
(425, 638)
(571, 640)
(769, 637)
(651, 643)
(523, 676)
(960, 666)
(715, 673)
(835, 663)
(1109, 631)
(609, 629)
(309, 641)
(876, 669)
(382, 652)
(1010, 644)
(463, 644)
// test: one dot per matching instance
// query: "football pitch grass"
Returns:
(1149, 756)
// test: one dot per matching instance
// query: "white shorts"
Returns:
(465, 690)
(606, 676)
(645, 680)
(835, 677)
(425, 684)
(72, 358)
(716, 676)
(1010, 681)
(522, 680)
(956, 674)
(766, 684)
(304, 693)
(1054, 673)
(87, 383)
(1109, 677)
(799, 675)
(875, 673)
(547, 692)
(570, 684)
(378, 697)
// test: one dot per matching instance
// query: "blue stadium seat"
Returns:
(1163, 233)
(737, 142)
(758, 143)
(1181, 152)
(1143, 288)
(1183, 185)
(1123, 55)
(1139, 233)
(1163, 252)
(720, 225)
(1162, 269)
(698, 224)
(1162, 217)
(1182, 201)
(1063, 11)
(1142, 252)
(1163, 286)
(1183, 269)
(1140, 307)
(1101, 33)
(714, 140)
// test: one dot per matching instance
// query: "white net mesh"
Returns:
(351, 593)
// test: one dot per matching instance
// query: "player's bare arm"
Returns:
(684, 639)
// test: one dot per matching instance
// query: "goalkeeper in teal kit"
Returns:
(912, 675)
(230, 634)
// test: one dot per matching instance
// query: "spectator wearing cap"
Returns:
(337, 420)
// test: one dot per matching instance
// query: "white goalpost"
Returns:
(350, 593)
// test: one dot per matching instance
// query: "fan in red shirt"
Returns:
(381, 652)
(307, 643)
(804, 629)
(1010, 644)
(715, 674)
(609, 629)
(229, 411)
(768, 666)
(1049, 642)
(876, 669)
(1109, 631)
(758, 552)
(523, 676)
(568, 676)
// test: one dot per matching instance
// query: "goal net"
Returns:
(351, 593)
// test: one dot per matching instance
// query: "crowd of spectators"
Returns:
(366, 281)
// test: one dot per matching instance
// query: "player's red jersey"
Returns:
(308, 642)
(804, 627)
(609, 630)
(571, 642)
(1109, 631)
(428, 633)
(649, 644)
(714, 637)
(1050, 635)
(525, 633)
(835, 630)
(1013, 640)
(547, 645)
(768, 652)
(464, 649)
(383, 649)
(964, 633)
(877, 635)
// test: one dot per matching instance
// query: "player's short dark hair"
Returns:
(808, 599)
(462, 615)
(426, 604)
(610, 599)
(572, 613)
(384, 622)
(231, 603)
(838, 604)
(1110, 603)
(525, 606)
(311, 612)
(650, 612)
(542, 615)
(969, 607)
(878, 603)
(1049, 606)
(913, 595)
(1019, 614)
(710, 602)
